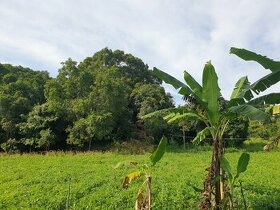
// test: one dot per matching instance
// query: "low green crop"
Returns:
(42, 181)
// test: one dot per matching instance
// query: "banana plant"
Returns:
(144, 195)
(242, 102)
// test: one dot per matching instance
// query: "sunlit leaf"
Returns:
(185, 116)
(169, 116)
(200, 136)
(159, 152)
(211, 92)
(226, 167)
(249, 111)
(272, 98)
(168, 79)
(266, 82)
(242, 164)
(241, 89)
(247, 55)
(156, 113)
(193, 84)
(164, 112)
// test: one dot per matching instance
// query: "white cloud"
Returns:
(172, 35)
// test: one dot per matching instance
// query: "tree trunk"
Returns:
(184, 138)
(89, 145)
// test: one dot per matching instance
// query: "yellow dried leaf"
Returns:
(130, 177)
(276, 109)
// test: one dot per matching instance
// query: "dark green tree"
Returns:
(20, 89)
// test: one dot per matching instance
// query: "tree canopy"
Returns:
(96, 101)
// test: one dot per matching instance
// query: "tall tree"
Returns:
(20, 89)
(101, 86)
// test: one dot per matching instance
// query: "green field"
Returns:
(42, 181)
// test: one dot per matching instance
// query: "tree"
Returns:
(94, 127)
(100, 85)
(40, 119)
(20, 89)
(242, 103)
(236, 131)
(147, 98)
(46, 139)
(131, 68)
(150, 97)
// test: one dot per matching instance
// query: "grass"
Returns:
(42, 181)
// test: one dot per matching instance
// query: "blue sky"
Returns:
(171, 35)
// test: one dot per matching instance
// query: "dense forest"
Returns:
(98, 100)
(89, 105)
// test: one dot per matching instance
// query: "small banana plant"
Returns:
(144, 195)
(231, 179)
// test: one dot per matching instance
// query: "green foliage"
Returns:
(155, 127)
(271, 98)
(201, 135)
(263, 83)
(159, 152)
(143, 199)
(9, 146)
(211, 93)
(258, 130)
(84, 130)
(241, 89)
(21, 89)
(148, 98)
(38, 120)
(266, 82)
(210, 109)
(99, 99)
(193, 84)
(242, 164)
(266, 131)
(247, 55)
(236, 131)
(241, 167)
(110, 85)
(46, 139)
(169, 79)
(216, 116)
(250, 112)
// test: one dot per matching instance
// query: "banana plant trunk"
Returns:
(144, 201)
(149, 192)
(213, 192)
(216, 174)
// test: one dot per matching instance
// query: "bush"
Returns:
(266, 131)
(236, 132)
(132, 147)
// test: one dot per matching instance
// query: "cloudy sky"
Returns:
(173, 35)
